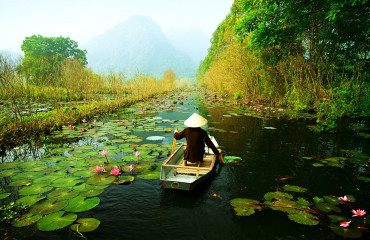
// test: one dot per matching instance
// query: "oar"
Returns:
(221, 157)
(173, 144)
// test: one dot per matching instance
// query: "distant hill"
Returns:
(137, 45)
(192, 41)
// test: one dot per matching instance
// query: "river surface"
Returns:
(271, 158)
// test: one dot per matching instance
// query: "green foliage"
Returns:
(85, 225)
(11, 211)
(55, 221)
(43, 57)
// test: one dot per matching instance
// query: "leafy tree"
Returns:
(43, 57)
(169, 78)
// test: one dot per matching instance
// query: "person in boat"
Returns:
(196, 138)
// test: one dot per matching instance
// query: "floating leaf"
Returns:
(55, 221)
(34, 189)
(91, 193)
(100, 180)
(46, 179)
(327, 207)
(22, 182)
(303, 202)
(150, 174)
(4, 195)
(29, 200)
(155, 138)
(124, 180)
(332, 200)
(277, 195)
(48, 206)
(84, 173)
(66, 181)
(346, 232)
(364, 179)
(318, 165)
(303, 218)
(317, 199)
(27, 175)
(335, 218)
(230, 159)
(62, 194)
(9, 172)
(245, 206)
(286, 205)
(85, 187)
(85, 225)
(292, 188)
(26, 220)
(79, 204)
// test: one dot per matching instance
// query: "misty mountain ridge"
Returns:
(191, 41)
(137, 45)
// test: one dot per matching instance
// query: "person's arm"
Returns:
(179, 135)
(210, 144)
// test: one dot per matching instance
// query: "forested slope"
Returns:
(309, 55)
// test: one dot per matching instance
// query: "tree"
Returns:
(170, 79)
(43, 57)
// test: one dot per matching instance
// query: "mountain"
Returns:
(137, 45)
(191, 41)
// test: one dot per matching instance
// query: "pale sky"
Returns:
(83, 19)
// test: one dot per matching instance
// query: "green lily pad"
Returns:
(21, 182)
(277, 195)
(9, 172)
(79, 204)
(27, 175)
(318, 165)
(4, 195)
(55, 221)
(346, 232)
(46, 179)
(327, 207)
(304, 218)
(286, 205)
(150, 174)
(364, 135)
(66, 182)
(26, 220)
(317, 199)
(124, 179)
(48, 206)
(245, 206)
(292, 188)
(83, 148)
(29, 200)
(85, 187)
(335, 218)
(34, 189)
(155, 138)
(62, 194)
(302, 201)
(230, 159)
(332, 200)
(85, 225)
(84, 173)
(364, 179)
(92, 193)
(100, 180)
(8, 165)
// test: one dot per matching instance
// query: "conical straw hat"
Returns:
(195, 120)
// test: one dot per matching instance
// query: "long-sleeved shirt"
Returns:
(195, 139)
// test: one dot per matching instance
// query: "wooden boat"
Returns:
(176, 175)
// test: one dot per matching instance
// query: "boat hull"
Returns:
(175, 174)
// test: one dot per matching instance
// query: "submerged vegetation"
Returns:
(307, 55)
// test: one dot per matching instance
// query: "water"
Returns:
(271, 159)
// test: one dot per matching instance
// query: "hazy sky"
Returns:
(83, 19)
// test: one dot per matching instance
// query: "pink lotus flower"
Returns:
(84, 120)
(69, 126)
(123, 121)
(104, 152)
(97, 169)
(280, 110)
(345, 199)
(95, 121)
(115, 171)
(358, 213)
(83, 130)
(345, 224)
(144, 109)
(133, 120)
(137, 154)
(131, 167)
